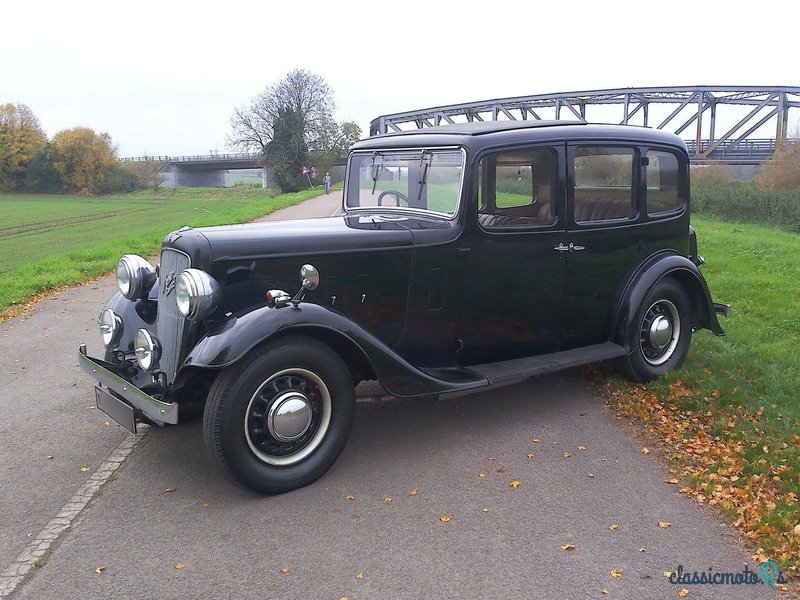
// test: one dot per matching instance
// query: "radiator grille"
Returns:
(171, 325)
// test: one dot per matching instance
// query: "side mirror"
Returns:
(310, 277)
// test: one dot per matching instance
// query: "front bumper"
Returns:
(155, 410)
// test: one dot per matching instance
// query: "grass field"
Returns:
(50, 240)
(730, 419)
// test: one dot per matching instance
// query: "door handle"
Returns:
(571, 248)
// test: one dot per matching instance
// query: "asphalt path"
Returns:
(433, 511)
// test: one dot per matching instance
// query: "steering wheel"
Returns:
(397, 195)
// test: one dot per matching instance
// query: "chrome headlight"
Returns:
(196, 294)
(147, 349)
(110, 327)
(135, 276)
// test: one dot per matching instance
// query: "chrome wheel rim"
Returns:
(287, 417)
(659, 332)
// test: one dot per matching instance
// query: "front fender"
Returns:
(648, 274)
(228, 342)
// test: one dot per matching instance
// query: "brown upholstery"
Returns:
(602, 209)
(507, 218)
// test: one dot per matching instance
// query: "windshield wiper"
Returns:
(375, 171)
(423, 167)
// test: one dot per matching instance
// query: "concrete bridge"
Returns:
(209, 170)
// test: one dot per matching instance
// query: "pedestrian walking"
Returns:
(327, 181)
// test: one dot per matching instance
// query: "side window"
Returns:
(516, 189)
(662, 183)
(603, 189)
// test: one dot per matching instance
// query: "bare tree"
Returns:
(302, 92)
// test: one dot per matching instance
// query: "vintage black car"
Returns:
(467, 256)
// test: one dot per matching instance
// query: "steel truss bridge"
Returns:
(744, 111)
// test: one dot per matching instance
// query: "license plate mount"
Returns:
(120, 411)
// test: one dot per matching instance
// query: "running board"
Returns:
(520, 369)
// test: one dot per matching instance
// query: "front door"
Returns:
(512, 275)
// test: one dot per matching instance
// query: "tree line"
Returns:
(74, 160)
(290, 123)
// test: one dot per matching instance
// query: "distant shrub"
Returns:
(782, 172)
(710, 173)
(745, 201)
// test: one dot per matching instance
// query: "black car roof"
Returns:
(487, 133)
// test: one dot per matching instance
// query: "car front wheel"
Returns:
(278, 419)
(660, 333)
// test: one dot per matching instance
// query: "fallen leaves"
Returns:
(645, 450)
(99, 569)
(642, 549)
(797, 530)
(613, 527)
(567, 547)
(359, 575)
(414, 492)
(535, 440)
(180, 566)
(444, 519)
(683, 593)
(49, 457)
(349, 497)
(84, 469)
(673, 481)
(531, 454)
(481, 475)
(169, 490)
(500, 469)
(590, 475)
(285, 570)
(567, 454)
(581, 447)
(616, 573)
(664, 524)
(387, 500)
(515, 483)
(485, 509)
(604, 591)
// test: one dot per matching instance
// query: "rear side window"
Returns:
(516, 189)
(662, 183)
(603, 189)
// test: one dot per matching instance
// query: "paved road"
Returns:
(235, 544)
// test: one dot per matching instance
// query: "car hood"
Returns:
(308, 236)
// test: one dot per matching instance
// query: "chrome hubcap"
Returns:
(660, 332)
(289, 417)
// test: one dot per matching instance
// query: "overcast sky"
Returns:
(163, 77)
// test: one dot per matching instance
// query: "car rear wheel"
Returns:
(278, 419)
(660, 333)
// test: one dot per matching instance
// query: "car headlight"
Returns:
(110, 327)
(135, 276)
(196, 294)
(147, 349)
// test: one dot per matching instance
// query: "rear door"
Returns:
(605, 235)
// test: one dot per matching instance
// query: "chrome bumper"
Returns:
(155, 410)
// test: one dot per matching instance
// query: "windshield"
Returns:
(423, 179)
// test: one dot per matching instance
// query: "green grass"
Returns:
(51, 240)
(743, 389)
(746, 202)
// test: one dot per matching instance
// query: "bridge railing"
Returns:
(194, 158)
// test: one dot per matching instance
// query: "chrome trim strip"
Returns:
(164, 412)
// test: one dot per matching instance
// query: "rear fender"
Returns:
(226, 343)
(649, 273)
